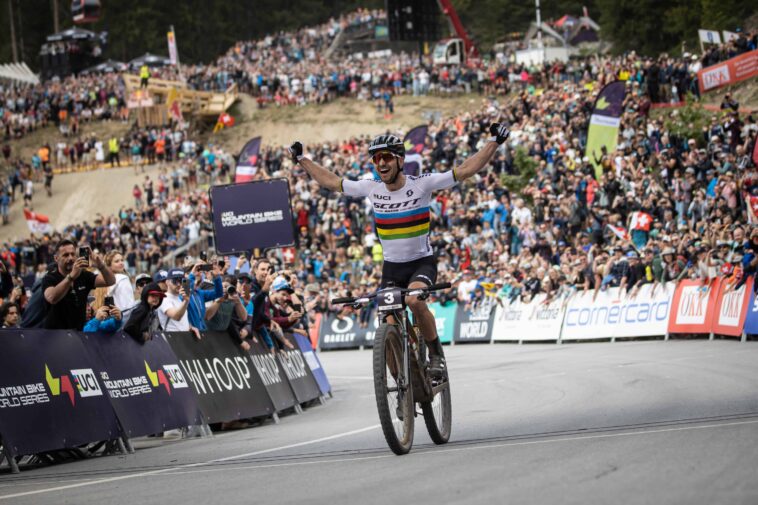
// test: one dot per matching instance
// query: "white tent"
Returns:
(18, 72)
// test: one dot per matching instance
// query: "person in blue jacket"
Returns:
(106, 320)
(198, 297)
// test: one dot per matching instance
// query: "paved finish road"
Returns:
(630, 422)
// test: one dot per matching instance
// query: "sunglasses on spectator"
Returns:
(244, 280)
(142, 284)
(385, 156)
(175, 281)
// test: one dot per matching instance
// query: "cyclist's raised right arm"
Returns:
(324, 177)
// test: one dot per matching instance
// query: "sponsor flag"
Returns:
(173, 106)
(414, 141)
(173, 52)
(38, 223)
(605, 121)
(619, 231)
(641, 221)
(247, 165)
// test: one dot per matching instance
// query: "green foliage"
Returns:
(526, 169)
(205, 29)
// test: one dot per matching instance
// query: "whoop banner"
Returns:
(605, 121)
(223, 376)
(299, 374)
(252, 215)
(274, 378)
(50, 394)
(247, 164)
(145, 383)
(314, 363)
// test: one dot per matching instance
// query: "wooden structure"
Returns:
(206, 105)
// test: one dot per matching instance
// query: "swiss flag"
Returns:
(38, 223)
(619, 231)
(288, 253)
(641, 221)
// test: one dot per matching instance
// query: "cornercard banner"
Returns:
(50, 394)
(252, 215)
(145, 383)
(532, 321)
(222, 375)
(273, 376)
(610, 313)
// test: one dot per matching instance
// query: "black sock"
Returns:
(435, 347)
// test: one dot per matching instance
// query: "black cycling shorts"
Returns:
(402, 274)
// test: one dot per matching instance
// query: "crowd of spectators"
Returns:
(671, 202)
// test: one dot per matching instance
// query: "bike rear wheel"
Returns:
(394, 394)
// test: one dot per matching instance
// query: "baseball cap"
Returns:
(142, 277)
(160, 276)
(281, 285)
(312, 288)
(245, 275)
(176, 273)
(632, 254)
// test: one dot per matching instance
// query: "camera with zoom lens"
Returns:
(231, 291)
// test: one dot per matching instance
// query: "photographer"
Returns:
(228, 314)
(173, 309)
(107, 318)
(198, 297)
(66, 287)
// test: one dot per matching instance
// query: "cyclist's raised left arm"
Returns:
(476, 162)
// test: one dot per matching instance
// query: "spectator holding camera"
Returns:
(173, 310)
(66, 287)
(144, 320)
(228, 313)
(198, 297)
(106, 319)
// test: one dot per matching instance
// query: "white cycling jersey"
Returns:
(402, 216)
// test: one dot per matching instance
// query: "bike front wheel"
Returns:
(394, 394)
(438, 414)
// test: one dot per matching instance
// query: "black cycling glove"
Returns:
(499, 132)
(296, 152)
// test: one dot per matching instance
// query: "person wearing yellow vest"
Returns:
(113, 149)
(144, 75)
(376, 252)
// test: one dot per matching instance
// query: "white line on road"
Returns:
(192, 465)
(351, 377)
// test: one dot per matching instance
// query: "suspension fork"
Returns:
(396, 318)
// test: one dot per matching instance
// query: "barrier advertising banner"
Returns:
(751, 317)
(341, 332)
(731, 309)
(610, 314)
(531, 321)
(693, 307)
(311, 358)
(252, 215)
(444, 316)
(222, 375)
(50, 395)
(298, 372)
(739, 68)
(145, 383)
(274, 378)
(475, 324)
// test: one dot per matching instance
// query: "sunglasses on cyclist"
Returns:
(385, 156)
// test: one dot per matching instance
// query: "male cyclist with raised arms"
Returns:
(401, 212)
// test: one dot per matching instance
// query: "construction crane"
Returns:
(457, 50)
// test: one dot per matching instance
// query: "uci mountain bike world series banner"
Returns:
(252, 215)
(605, 121)
(414, 141)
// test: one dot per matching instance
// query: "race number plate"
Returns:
(390, 299)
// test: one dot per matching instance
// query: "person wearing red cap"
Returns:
(143, 321)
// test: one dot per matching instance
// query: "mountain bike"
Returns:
(401, 371)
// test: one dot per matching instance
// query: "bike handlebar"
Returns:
(415, 291)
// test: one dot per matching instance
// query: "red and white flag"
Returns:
(619, 231)
(641, 221)
(38, 223)
(288, 253)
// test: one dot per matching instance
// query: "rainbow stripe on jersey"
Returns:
(412, 223)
